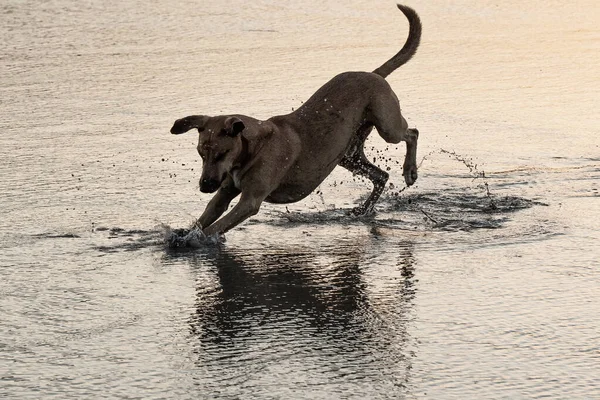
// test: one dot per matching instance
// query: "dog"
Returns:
(283, 159)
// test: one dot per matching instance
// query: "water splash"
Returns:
(192, 238)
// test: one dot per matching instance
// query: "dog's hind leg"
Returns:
(393, 128)
(356, 162)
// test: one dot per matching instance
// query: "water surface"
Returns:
(480, 281)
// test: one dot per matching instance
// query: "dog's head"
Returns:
(219, 146)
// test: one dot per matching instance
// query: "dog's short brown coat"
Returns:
(283, 159)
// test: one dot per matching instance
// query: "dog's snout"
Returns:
(209, 185)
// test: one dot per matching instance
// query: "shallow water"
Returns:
(480, 281)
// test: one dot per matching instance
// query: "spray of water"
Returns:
(192, 238)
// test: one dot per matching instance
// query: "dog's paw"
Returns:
(356, 211)
(360, 211)
(410, 174)
(191, 238)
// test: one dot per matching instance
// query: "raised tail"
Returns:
(410, 47)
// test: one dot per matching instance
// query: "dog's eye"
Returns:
(221, 156)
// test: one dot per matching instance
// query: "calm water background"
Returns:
(481, 281)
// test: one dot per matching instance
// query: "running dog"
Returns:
(283, 159)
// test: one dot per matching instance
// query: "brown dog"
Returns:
(283, 159)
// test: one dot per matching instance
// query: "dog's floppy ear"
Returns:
(185, 124)
(233, 126)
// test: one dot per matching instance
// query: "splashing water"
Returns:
(192, 238)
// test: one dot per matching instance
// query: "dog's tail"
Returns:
(410, 47)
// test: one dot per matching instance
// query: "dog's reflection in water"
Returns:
(298, 303)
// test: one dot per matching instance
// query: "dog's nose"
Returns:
(208, 185)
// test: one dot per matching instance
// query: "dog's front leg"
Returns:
(218, 205)
(244, 209)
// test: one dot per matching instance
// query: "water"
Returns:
(480, 281)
